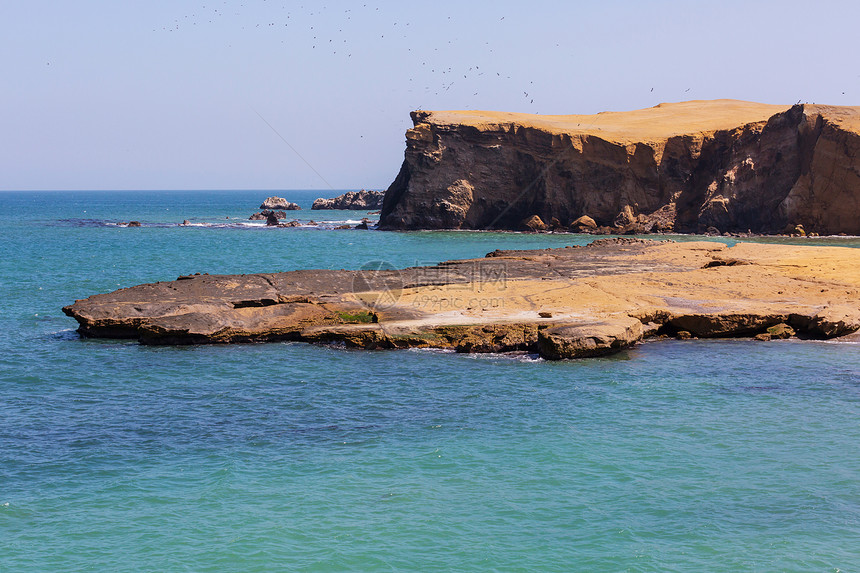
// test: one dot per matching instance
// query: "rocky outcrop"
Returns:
(573, 302)
(723, 166)
(266, 214)
(589, 340)
(279, 203)
(352, 200)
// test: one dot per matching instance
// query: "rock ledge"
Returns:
(571, 302)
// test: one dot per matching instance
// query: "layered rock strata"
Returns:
(718, 166)
(561, 303)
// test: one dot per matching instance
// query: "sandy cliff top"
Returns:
(654, 123)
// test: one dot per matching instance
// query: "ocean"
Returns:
(721, 455)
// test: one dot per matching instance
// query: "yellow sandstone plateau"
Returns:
(719, 166)
(561, 303)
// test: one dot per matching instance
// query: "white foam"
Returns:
(512, 356)
(432, 350)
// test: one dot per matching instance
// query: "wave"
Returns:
(65, 334)
(516, 355)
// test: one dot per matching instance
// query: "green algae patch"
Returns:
(363, 317)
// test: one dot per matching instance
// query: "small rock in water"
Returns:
(355, 200)
(279, 203)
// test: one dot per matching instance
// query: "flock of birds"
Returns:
(439, 65)
(347, 32)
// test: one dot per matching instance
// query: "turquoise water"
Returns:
(674, 456)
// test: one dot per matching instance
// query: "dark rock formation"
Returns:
(723, 165)
(266, 213)
(280, 203)
(352, 200)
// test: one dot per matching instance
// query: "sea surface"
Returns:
(673, 456)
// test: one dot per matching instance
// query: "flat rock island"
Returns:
(560, 303)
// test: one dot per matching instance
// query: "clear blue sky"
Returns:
(166, 94)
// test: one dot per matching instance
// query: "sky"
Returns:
(267, 94)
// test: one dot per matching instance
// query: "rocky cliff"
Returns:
(723, 165)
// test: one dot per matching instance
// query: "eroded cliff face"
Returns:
(733, 166)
